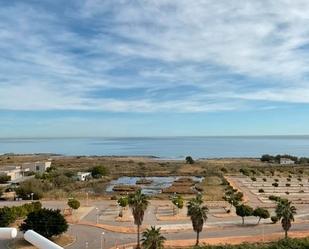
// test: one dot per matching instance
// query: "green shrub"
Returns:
(73, 203)
(274, 219)
(46, 222)
(245, 171)
(224, 170)
(9, 215)
(275, 184)
(264, 179)
(4, 179)
(253, 179)
(261, 190)
(288, 185)
(189, 160)
(99, 171)
(274, 198)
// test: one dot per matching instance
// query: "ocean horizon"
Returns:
(176, 147)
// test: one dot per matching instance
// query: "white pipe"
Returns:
(8, 233)
(39, 241)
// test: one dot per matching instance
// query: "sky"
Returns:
(153, 68)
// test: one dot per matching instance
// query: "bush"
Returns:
(274, 219)
(224, 170)
(9, 215)
(35, 186)
(264, 179)
(274, 198)
(276, 180)
(261, 190)
(287, 192)
(245, 171)
(46, 222)
(288, 185)
(275, 184)
(4, 179)
(189, 160)
(99, 171)
(253, 179)
(123, 201)
(73, 203)
(267, 158)
(288, 179)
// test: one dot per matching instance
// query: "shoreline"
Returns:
(152, 157)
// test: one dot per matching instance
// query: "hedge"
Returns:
(9, 215)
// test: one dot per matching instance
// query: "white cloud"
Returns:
(163, 46)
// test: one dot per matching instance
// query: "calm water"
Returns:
(169, 147)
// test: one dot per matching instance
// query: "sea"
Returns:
(162, 147)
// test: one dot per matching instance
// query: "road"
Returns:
(93, 235)
(216, 227)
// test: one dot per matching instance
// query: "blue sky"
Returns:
(153, 67)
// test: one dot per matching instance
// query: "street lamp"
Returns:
(32, 196)
(97, 214)
(87, 196)
(102, 240)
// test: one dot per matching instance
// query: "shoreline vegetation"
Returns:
(60, 181)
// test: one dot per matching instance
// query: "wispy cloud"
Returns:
(186, 56)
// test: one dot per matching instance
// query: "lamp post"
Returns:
(32, 196)
(87, 195)
(97, 214)
(102, 240)
(263, 231)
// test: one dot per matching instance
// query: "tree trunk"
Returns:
(286, 234)
(259, 220)
(138, 239)
(243, 220)
(197, 238)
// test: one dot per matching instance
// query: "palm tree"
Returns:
(138, 203)
(285, 212)
(198, 215)
(152, 239)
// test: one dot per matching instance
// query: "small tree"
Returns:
(152, 239)
(46, 222)
(178, 201)
(122, 202)
(138, 202)
(189, 160)
(243, 211)
(233, 198)
(73, 203)
(285, 212)
(262, 213)
(198, 214)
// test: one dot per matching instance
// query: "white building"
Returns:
(38, 167)
(83, 176)
(286, 161)
(15, 172)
